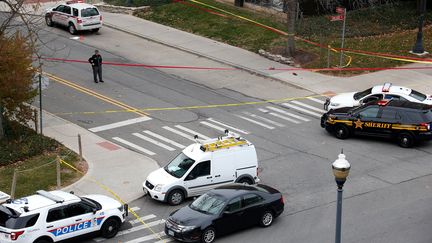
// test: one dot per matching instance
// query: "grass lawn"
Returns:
(387, 29)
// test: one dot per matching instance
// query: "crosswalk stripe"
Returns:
(301, 109)
(146, 238)
(153, 141)
(119, 124)
(135, 209)
(228, 126)
(284, 117)
(264, 119)
(178, 133)
(143, 218)
(308, 106)
(192, 132)
(255, 122)
(316, 100)
(132, 145)
(288, 113)
(165, 240)
(263, 110)
(213, 126)
(134, 229)
(164, 139)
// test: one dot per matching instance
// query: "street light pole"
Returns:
(418, 47)
(341, 169)
(40, 99)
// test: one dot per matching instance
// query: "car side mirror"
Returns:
(94, 210)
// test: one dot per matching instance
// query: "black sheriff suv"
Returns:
(406, 122)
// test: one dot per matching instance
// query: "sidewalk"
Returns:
(121, 170)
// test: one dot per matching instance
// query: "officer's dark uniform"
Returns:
(96, 62)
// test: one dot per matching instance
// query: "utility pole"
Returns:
(291, 18)
(418, 47)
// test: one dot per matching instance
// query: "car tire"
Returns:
(110, 228)
(245, 180)
(48, 21)
(175, 197)
(42, 241)
(266, 218)
(405, 140)
(208, 235)
(72, 29)
(95, 30)
(342, 131)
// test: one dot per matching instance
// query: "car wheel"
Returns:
(175, 197)
(266, 218)
(72, 29)
(245, 180)
(342, 132)
(110, 228)
(42, 241)
(95, 30)
(405, 140)
(48, 21)
(209, 235)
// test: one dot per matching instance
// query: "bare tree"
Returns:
(291, 18)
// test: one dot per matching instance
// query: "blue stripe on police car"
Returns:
(75, 227)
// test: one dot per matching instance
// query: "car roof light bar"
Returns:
(386, 87)
(48, 195)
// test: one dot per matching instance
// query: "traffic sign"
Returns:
(340, 10)
(337, 18)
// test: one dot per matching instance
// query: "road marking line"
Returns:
(135, 209)
(255, 122)
(132, 145)
(284, 117)
(228, 126)
(302, 110)
(164, 139)
(316, 100)
(144, 218)
(263, 110)
(192, 132)
(308, 106)
(151, 140)
(287, 113)
(119, 124)
(133, 229)
(146, 238)
(264, 119)
(165, 240)
(213, 126)
(178, 133)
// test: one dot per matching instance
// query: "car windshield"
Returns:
(88, 12)
(417, 95)
(362, 94)
(179, 165)
(208, 204)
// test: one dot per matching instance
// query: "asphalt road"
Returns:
(387, 195)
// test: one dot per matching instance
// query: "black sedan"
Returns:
(224, 210)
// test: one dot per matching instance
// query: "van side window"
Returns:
(201, 169)
(75, 12)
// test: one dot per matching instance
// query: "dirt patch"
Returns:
(301, 57)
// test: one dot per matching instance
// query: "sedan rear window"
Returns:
(12, 221)
(88, 12)
(417, 95)
(362, 94)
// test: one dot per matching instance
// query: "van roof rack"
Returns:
(51, 196)
(229, 140)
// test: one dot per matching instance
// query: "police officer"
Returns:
(96, 62)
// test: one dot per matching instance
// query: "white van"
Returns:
(203, 166)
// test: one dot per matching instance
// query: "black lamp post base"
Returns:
(419, 53)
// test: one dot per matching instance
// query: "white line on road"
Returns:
(287, 113)
(134, 229)
(178, 133)
(135, 209)
(165, 240)
(255, 122)
(119, 124)
(151, 140)
(263, 110)
(264, 119)
(143, 218)
(316, 100)
(147, 238)
(302, 110)
(164, 139)
(132, 145)
(228, 126)
(192, 132)
(308, 106)
(284, 117)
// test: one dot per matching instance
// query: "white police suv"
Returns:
(54, 216)
(378, 92)
(75, 15)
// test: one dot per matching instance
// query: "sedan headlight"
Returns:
(187, 228)
(158, 187)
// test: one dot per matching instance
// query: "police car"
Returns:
(75, 15)
(405, 121)
(54, 216)
(378, 92)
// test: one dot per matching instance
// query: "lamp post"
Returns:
(418, 47)
(341, 169)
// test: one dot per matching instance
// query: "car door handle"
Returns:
(50, 226)
(217, 175)
(209, 177)
(76, 220)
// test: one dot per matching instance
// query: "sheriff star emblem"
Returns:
(358, 124)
